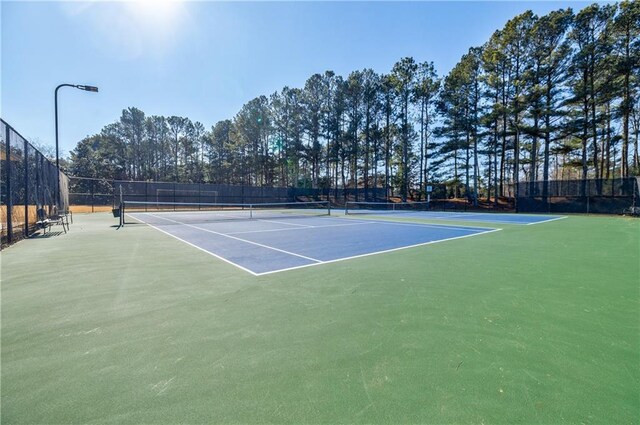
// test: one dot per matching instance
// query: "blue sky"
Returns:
(204, 60)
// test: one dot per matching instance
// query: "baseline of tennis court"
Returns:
(496, 218)
(263, 246)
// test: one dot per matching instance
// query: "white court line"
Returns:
(214, 219)
(285, 229)
(438, 226)
(222, 216)
(281, 222)
(239, 239)
(470, 217)
(546, 221)
(217, 213)
(196, 246)
(358, 222)
(317, 262)
(376, 253)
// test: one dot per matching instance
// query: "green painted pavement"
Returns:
(533, 324)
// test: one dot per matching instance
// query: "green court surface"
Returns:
(529, 325)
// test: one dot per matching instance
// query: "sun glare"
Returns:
(155, 12)
(151, 25)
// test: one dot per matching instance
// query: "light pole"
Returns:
(77, 86)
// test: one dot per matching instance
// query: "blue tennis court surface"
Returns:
(497, 218)
(262, 246)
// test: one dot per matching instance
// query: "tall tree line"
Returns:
(545, 98)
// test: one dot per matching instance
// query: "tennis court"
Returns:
(274, 241)
(409, 317)
(491, 218)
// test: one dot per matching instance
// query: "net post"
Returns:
(121, 205)
(121, 212)
(328, 207)
(250, 211)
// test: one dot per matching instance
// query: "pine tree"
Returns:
(403, 78)
(425, 94)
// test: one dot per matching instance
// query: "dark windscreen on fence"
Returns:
(91, 194)
(612, 196)
(29, 182)
(594, 196)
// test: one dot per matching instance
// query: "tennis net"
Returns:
(183, 212)
(352, 207)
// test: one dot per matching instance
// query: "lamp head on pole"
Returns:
(55, 97)
(87, 88)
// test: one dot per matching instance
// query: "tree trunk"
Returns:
(387, 151)
(504, 134)
(585, 131)
(495, 163)
(422, 146)
(405, 149)
(456, 192)
(547, 143)
(467, 164)
(594, 129)
(607, 152)
(489, 158)
(476, 99)
(426, 147)
(636, 156)
(365, 171)
(534, 155)
(626, 107)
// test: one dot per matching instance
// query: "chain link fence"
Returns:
(28, 184)
(575, 196)
(592, 196)
(94, 195)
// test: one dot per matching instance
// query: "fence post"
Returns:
(613, 187)
(26, 189)
(93, 202)
(9, 193)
